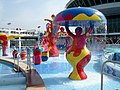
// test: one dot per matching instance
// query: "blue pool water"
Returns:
(55, 73)
(9, 79)
(113, 49)
(6, 68)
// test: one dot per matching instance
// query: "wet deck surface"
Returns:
(33, 79)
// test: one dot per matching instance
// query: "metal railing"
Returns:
(102, 71)
(106, 53)
(29, 58)
(18, 57)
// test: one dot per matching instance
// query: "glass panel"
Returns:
(113, 24)
(92, 2)
(109, 1)
(97, 2)
(87, 3)
(117, 0)
(77, 3)
(104, 1)
(81, 3)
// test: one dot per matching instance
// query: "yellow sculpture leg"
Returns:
(74, 75)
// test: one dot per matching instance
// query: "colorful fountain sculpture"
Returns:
(4, 41)
(44, 44)
(23, 54)
(15, 52)
(52, 37)
(85, 19)
(37, 54)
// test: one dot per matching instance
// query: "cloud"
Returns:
(1, 10)
(30, 13)
(19, 1)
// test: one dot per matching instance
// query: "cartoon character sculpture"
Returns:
(15, 52)
(78, 52)
(52, 37)
(68, 44)
(23, 53)
(4, 40)
(62, 32)
(45, 43)
(62, 35)
(37, 55)
(84, 18)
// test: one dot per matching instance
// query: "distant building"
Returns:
(29, 37)
(110, 8)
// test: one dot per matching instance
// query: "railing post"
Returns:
(29, 58)
(14, 60)
(18, 61)
(102, 71)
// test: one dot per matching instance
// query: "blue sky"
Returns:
(28, 14)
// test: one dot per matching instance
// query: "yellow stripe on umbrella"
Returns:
(85, 17)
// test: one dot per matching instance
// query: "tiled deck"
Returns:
(33, 79)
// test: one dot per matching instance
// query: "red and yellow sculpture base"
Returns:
(78, 63)
(14, 53)
(54, 52)
(23, 54)
(37, 59)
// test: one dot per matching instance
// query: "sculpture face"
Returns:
(78, 31)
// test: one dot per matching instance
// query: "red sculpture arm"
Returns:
(51, 25)
(68, 31)
(89, 31)
(3, 38)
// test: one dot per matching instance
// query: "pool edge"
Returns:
(33, 79)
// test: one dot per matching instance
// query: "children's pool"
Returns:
(55, 73)
(10, 80)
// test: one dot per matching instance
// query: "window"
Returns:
(104, 1)
(110, 1)
(97, 2)
(113, 23)
(87, 3)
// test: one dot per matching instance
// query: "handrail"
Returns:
(14, 58)
(115, 62)
(29, 58)
(18, 56)
(28, 61)
(18, 61)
